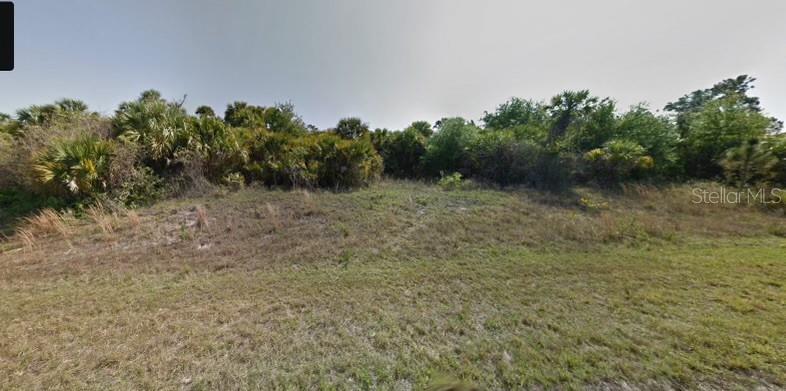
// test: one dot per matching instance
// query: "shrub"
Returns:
(131, 183)
(591, 124)
(448, 149)
(6, 154)
(567, 112)
(351, 128)
(158, 126)
(516, 112)
(205, 111)
(282, 118)
(343, 163)
(216, 145)
(749, 164)
(243, 115)
(234, 181)
(451, 182)
(275, 159)
(657, 135)
(402, 152)
(498, 156)
(22, 143)
(323, 160)
(618, 160)
(79, 167)
(141, 187)
(44, 115)
(507, 158)
(552, 170)
(777, 146)
(422, 127)
(722, 124)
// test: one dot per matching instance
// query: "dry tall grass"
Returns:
(201, 218)
(102, 218)
(133, 218)
(48, 221)
(391, 220)
(45, 223)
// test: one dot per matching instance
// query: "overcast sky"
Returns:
(391, 61)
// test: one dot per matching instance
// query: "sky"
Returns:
(390, 62)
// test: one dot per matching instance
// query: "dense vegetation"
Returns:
(152, 147)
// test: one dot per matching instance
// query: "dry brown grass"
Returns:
(387, 286)
(202, 221)
(274, 215)
(133, 218)
(102, 218)
(43, 224)
(260, 229)
(26, 237)
(47, 222)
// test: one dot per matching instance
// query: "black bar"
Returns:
(6, 36)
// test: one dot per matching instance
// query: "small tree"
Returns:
(205, 111)
(515, 112)
(282, 118)
(351, 128)
(243, 115)
(422, 127)
(401, 151)
(722, 124)
(79, 167)
(448, 150)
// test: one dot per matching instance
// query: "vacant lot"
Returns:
(399, 286)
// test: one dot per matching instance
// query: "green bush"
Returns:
(77, 167)
(351, 128)
(314, 160)
(402, 151)
(499, 157)
(130, 182)
(282, 118)
(44, 115)
(749, 164)
(656, 134)
(216, 145)
(448, 149)
(161, 128)
(140, 187)
(275, 159)
(451, 182)
(590, 124)
(243, 115)
(514, 113)
(6, 160)
(776, 145)
(343, 163)
(616, 161)
(722, 124)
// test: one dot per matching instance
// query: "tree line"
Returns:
(152, 147)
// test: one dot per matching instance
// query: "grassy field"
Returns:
(399, 286)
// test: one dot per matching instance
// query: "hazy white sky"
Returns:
(391, 61)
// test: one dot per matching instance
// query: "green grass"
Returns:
(398, 287)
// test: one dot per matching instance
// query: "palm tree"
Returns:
(80, 166)
(749, 164)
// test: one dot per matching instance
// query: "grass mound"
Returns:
(401, 285)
